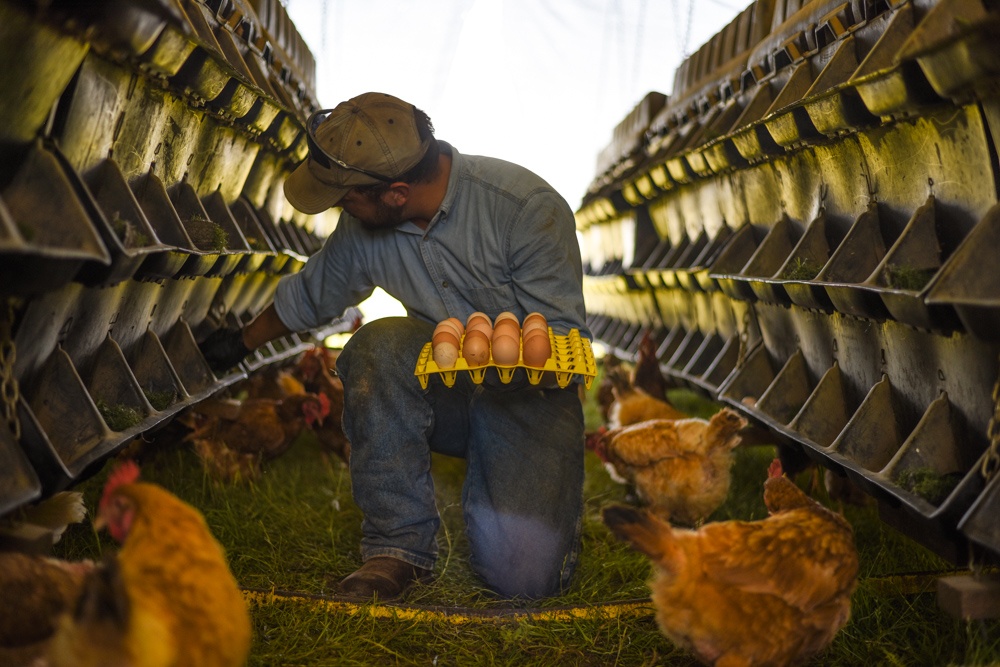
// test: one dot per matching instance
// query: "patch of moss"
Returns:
(159, 399)
(128, 232)
(220, 238)
(207, 234)
(907, 277)
(928, 484)
(118, 417)
(801, 269)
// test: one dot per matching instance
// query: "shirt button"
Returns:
(445, 284)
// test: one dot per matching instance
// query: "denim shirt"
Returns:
(502, 240)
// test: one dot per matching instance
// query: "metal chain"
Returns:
(989, 466)
(9, 392)
(991, 460)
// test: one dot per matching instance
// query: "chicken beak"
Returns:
(100, 523)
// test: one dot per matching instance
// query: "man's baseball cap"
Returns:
(367, 139)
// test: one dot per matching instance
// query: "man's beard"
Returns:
(385, 216)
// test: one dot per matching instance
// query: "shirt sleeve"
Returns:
(545, 262)
(329, 283)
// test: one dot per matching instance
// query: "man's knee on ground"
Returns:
(521, 556)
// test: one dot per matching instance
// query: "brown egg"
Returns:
(535, 329)
(536, 350)
(445, 336)
(475, 316)
(506, 328)
(449, 327)
(445, 354)
(506, 349)
(534, 316)
(534, 325)
(531, 333)
(505, 315)
(476, 348)
(480, 325)
(457, 323)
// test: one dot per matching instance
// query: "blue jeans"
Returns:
(523, 493)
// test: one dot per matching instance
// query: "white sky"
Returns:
(539, 82)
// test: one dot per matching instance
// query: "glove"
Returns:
(223, 349)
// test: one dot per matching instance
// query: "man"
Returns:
(447, 235)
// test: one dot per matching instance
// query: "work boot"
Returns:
(384, 577)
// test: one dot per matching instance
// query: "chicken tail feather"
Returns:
(103, 599)
(724, 427)
(646, 533)
(96, 631)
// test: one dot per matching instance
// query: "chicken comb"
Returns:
(324, 403)
(775, 470)
(126, 473)
(316, 414)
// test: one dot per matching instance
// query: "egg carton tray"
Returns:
(572, 354)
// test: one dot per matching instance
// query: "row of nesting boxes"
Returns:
(807, 229)
(145, 145)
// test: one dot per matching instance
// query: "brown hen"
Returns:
(647, 374)
(272, 382)
(680, 467)
(232, 438)
(739, 593)
(95, 632)
(315, 371)
(168, 599)
(37, 590)
(632, 404)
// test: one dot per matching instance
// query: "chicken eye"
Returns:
(122, 505)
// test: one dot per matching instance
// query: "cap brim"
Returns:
(310, 195)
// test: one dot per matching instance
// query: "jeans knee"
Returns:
(384, 344)
(522, 557)
(526, 585)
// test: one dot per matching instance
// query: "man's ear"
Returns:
(397, 195)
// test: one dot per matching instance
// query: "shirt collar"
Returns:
(452, 192)
(449, 196)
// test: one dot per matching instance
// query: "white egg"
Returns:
(445, 354)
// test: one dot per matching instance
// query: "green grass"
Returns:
(296, 529)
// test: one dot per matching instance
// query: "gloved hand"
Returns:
(223, 349)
